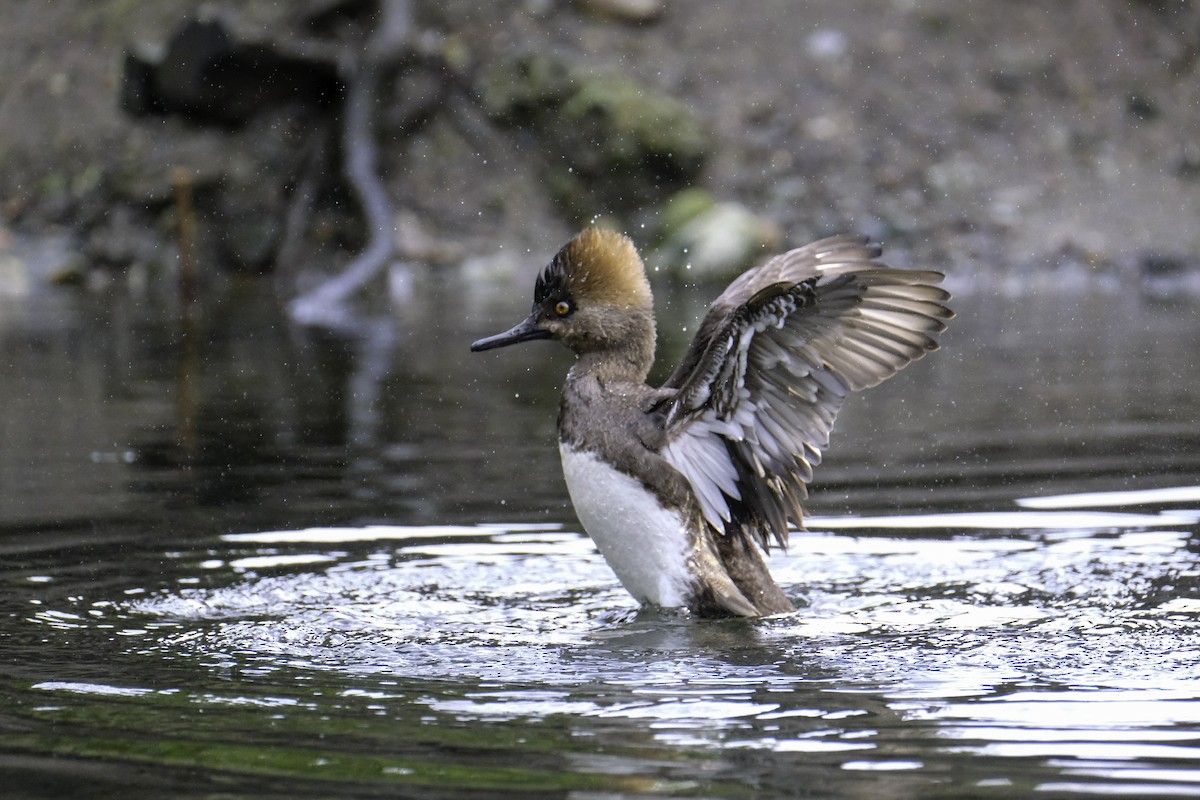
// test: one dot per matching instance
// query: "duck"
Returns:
(685, 487)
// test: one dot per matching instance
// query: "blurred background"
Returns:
(268, 529)
(1007, 140)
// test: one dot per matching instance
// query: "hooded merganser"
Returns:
(684, 487)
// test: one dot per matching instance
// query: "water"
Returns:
(260, 563)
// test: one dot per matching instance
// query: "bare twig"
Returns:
(326, 304)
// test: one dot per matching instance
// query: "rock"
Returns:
(29, 265)
(826, 44)
(609, 143)
(681, 209)
(523, 90)
(207, 74)
(625, 10)
(611, 123)
(14, 278)
(703, 239)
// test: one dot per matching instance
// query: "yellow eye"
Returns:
(562, 308)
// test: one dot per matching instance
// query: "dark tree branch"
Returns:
(389, 43)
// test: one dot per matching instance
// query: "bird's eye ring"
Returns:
(562, 308)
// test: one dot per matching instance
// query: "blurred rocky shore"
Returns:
(1007, 143)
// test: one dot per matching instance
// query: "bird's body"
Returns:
(684, 487)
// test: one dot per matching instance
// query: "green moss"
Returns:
(636, 124)
(609, 142)
(682, 209)
(523, 90)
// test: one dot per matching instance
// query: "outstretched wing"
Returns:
(777, 353)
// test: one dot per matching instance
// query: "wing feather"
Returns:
(758, 391)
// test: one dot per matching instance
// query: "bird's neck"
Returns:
(625, 358)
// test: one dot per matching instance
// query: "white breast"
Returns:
(644, 543)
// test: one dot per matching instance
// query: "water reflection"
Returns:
(1070, 392)
(999, 591)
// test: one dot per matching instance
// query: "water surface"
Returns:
(263, 563)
